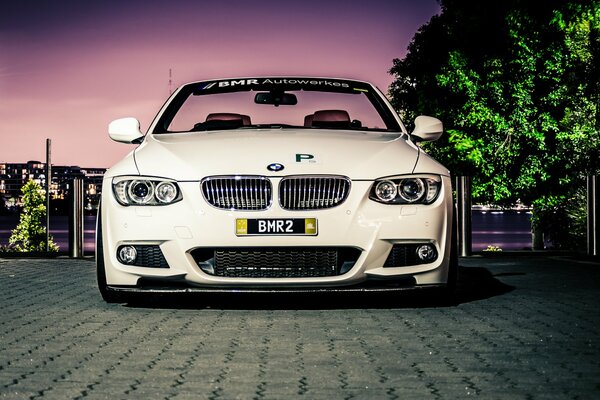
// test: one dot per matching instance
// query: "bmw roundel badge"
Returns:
(275, 167)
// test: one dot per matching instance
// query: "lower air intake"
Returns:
(276, 262)
(403, 255)
(149, 256)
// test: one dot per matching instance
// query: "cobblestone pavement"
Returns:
(523, 328)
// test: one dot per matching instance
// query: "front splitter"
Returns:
(343, 289)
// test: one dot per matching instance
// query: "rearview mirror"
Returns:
(427, 129)
(125, 130)
(276, 98)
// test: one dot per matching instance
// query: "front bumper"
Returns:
(191, 224)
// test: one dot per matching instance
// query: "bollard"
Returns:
(593, 208)
(48, 186)
(463, 217)
(76, 219)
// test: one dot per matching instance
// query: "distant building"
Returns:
(14, 175)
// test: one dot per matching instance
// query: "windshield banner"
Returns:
(280, 84)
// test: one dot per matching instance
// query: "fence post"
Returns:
(593, 208)
(76, 219)
(48, 186)
(463, 208)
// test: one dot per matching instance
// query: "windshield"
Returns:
(277, 102)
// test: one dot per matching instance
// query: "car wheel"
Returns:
(453, 268)
(448, 293)
(107, 295)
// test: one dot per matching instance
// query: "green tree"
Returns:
(30, 233)
(516, 84)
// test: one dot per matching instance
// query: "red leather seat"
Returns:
(331, 119)
(308, 120)
(229, 117)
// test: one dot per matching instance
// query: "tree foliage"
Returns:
(517, 85)
(30, 233)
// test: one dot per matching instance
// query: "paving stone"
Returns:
(522, 328)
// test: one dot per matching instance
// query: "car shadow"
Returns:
(478, 283)
(474, 284)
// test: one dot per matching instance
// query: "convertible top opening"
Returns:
(364, 107)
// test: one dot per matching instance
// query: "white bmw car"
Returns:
(275, 184)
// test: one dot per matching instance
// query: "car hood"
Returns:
(192, 156)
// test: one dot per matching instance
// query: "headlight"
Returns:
(142, 191)
(406, 190)
(386, 191)
(411, 189)
(166, 192)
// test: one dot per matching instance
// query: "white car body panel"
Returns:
(359, 222)
(187, 157)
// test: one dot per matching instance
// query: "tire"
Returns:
(453, 267)
(448, 293)
(107, 295)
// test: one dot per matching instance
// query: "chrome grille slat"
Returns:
(249, 193)
(262, 195)
(304, 185)
(313, 192)
(293, 195)
(318, 190)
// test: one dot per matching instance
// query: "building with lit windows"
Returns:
(14, 175)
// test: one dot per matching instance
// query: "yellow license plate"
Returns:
(276, 226)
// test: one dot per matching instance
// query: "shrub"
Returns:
(30, 233)
(562, 220)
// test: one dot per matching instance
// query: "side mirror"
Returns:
(125, 130)
(427, 129)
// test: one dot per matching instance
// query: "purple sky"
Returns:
(69, 67)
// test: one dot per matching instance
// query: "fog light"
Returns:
(127, 254)
(426, 252)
